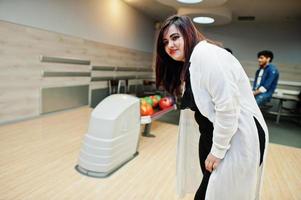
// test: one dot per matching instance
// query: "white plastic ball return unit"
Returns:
(113, 135)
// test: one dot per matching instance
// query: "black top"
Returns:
(187, 100)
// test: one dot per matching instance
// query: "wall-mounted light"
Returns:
(189, 1)
(203, 20)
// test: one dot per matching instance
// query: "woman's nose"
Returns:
(170, 43)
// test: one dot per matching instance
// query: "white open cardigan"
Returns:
(223, 94)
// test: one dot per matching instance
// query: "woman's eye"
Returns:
(175, 38)
(165, 43)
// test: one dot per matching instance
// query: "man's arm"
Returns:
(260, 90)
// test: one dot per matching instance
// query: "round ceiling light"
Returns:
(203, 20)
(189, 1)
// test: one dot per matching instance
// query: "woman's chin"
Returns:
(178, 59)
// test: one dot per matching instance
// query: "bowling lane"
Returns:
(38, 158)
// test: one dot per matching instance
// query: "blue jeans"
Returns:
(262, 98)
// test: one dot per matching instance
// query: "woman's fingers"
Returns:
(208, 165)
(214, 166)
(211, 163)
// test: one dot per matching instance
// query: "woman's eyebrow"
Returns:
(174, 34)
(171, 35)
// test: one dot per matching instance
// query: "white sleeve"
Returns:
(223, 89)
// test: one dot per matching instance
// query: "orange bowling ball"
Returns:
(146, 109)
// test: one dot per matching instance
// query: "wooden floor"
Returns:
(37, 159)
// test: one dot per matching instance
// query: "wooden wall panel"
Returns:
(21, 70)
(64, 81)
(98, 85)
(102, 73)
(56, 67)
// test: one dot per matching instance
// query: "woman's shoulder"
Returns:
(202, 53)
(202, 50)
(210, 58)
(200, 46)
(203, 44)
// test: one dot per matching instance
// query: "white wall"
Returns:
(247, 38)
(108, 21)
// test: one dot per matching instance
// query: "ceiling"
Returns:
(262, 10)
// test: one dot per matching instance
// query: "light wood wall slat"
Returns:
(60, 60)
(102, 73)
(64, 81)
(50, 67)
(98, 85)
(66, 74)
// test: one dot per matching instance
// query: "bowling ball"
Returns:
(143, 101)
(155, 101)
(149, 100)
(146, 109)
(158, 97)
(171, 99)
(165, 103)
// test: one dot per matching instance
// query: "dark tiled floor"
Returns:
(287, 132)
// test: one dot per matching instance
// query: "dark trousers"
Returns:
(261, 136)
(205, 144)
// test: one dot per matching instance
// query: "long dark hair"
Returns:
(170, 73)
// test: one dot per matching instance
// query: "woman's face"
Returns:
(174, 43)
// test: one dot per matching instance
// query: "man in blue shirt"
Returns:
(266, 78)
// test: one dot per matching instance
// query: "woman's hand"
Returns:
(211, 162)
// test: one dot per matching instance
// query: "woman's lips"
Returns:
(172, 51)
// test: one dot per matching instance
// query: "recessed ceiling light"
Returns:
(189, 1)
(203, 20)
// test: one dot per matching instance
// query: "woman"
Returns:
(212, 84)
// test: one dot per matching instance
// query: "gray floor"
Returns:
(287, 132)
